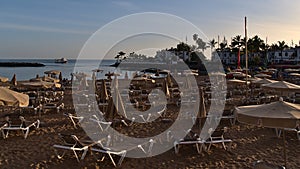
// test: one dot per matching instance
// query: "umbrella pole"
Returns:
(284, 148)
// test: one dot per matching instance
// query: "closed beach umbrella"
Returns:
(14, 80)
(169, 80)
(278, 114)
(202, 104)
(115, 82)
(12, 98)
(60, 77)
(187, 83)
(103, 91)
(126, 76)
(115, 105)
(165, 88)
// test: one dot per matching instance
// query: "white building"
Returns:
(286, 56)
(226, 57)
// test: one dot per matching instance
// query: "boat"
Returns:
(61, 60)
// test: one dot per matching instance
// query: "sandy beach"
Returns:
(249, 145)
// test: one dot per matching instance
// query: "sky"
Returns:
(61, 28)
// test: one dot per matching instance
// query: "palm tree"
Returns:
(265, 47)
(237, 42)
(223, 46)
(212, 43)
(195, 37)
(201, 44)
(281, 46)
(257, 43)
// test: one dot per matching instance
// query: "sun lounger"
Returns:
(24, 127)
(53, 106)
(103, 125)
(196, 141)
(72, 143)
(76, 120)
(2, 127)
(159, 111)
(217, 137)
(121, 149)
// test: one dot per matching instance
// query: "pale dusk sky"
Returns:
(59, 28)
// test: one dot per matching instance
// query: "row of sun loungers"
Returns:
(81, 147)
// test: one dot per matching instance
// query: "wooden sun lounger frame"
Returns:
(25, 130)
(122, 153)
(74, 147)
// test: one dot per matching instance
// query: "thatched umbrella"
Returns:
(60, 77)
(3, 79)
(252, 79)
(217, 74)
(53, 72)
(165, 88)
(40, 85)
(14, 80)
(126, 76)
(202, 109)
(237, 81)
(264, 81)
(187, 83)
(282, 86)
(169, 80)
(12, 98)
(278, 114)
(202, 112)
(103, 91)
(115, 105)
(262, 75)
(109, 75)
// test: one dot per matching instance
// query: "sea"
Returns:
(85, 66)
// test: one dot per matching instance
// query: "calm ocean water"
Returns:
(25, 73)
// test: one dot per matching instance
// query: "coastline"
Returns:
(20, 64)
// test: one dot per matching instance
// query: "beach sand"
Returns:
(249, 145)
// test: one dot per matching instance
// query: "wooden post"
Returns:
(284, 149)
(246, 57)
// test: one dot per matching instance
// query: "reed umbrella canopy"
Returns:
(282, 85)
(13, 98)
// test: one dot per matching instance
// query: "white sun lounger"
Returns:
(21, 127)
(121, 150)
(72, 143)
